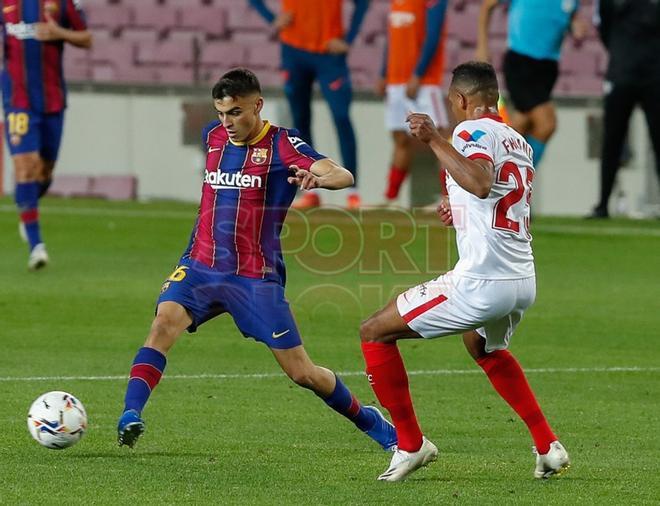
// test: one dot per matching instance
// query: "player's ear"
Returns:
(259, 105)
(462, 100)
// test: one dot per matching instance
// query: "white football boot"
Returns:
(38, 257)
(404, 463)
(556, 461)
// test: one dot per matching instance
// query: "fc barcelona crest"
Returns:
(259, 155)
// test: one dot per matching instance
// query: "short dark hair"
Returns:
(476, 77)
(238, 82)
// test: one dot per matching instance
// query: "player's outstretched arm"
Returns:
(482, 52)
(475, 176)
(51, 31)
(325, 173)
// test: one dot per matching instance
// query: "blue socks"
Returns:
(148, 367)
(344, 403)
(27, 201)
(538, 147)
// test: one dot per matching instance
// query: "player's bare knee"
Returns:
(27, 167)
(369, 331)
(302, 377)
(163, 328)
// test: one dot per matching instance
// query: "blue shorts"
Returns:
(258, 306)
(29, 131)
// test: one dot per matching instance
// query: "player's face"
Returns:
(240, 116)
(458, 104)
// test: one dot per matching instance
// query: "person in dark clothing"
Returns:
(630, 30)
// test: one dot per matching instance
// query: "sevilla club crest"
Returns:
(259, 155)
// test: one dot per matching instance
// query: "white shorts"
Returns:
(453, 304)
(429, 101)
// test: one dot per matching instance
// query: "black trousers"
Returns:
(619, 105)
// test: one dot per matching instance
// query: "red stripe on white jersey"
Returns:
(481, 156)
(419, 310)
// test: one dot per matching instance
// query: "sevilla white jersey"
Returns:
(493, 233)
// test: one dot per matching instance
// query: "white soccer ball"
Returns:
(57, 420)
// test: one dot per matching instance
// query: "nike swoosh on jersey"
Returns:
(280, 334)
(211, 150)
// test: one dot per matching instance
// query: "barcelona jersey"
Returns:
(32, 77)
(245, 199)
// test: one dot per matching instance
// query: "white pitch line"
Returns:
(616, 230)
(433, 372)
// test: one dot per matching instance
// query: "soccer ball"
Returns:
(57, 420)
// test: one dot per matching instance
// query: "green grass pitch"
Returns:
(590, 344)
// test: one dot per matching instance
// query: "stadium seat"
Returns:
(160, 17)
(139, 35)
(184, 35)
(108, 15)
(244, 18)
(265, 56)
(168, 52)
(175, 74)
(222, 54)
(210, 20)
(119, 52)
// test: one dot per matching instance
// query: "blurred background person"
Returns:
(315, 48)
(411, 78)
(536, 30)
(34, 99)
(630, 31)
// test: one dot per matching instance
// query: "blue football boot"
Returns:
(129, 428)
(383, 432)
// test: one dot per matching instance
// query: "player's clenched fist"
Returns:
(421, 126)
(444, 211)
(303, 178)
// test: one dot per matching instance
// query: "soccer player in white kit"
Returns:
(489, 183)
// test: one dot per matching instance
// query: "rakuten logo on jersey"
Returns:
(21, 30)
(223, 181)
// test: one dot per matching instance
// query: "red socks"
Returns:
(508, 378)
(394, 181)
(388, 378)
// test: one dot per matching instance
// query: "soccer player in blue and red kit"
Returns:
(34, 99)
(233, 263)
